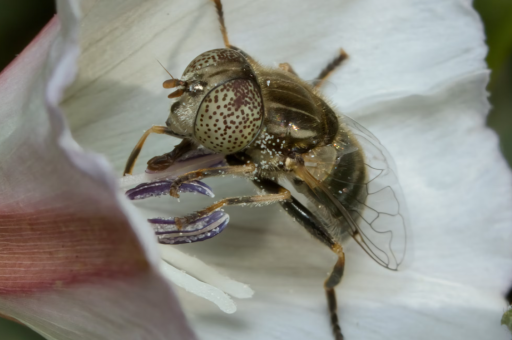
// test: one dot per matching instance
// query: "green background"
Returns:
(20, 20)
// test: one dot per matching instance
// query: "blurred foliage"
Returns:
(507, 319)
(497, 17)
(20, 20)
(12, 331)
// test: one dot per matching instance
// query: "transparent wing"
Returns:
(371, 207)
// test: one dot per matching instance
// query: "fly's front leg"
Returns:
(245, 170)
(164, 161)
(130, 163)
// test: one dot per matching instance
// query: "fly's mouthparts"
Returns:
(176, 93)
(172, 83)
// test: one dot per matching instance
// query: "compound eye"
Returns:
(213, 58)
(230, 116)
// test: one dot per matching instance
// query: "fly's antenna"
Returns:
(173, 82)
(165, 68)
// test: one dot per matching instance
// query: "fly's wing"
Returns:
(373, 208)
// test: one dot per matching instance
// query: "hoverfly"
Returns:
(270, 125)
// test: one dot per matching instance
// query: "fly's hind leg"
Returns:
(305, 218)
(332, 281)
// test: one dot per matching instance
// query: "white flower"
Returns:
(415, 77)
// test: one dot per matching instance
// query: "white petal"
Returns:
(76, 262)
(398, 49)
(455, 179)
(120, 309)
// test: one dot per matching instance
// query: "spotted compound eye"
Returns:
(218, 57)
(230, 116)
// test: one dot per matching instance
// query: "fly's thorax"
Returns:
(297, 120)
(221, 106)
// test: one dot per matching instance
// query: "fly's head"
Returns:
(219, 102)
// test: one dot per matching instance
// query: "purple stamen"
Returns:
(159, 188)
(198, 230)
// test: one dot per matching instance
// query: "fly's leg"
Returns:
(162, 130)
(212, 222)
(305, 218)
(159, 163)
(329, 284)
(223, 30)
(288, 68)
(327, 71)
(246, 170)
(281, 195)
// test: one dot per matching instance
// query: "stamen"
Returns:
(198, 230)
(215, 295)
(204, 272)
(159, 188)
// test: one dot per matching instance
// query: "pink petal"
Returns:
(75, 262)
